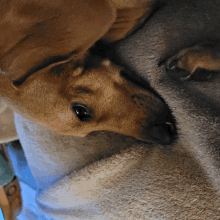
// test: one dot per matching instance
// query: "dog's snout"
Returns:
(163, 133)
(159, 126)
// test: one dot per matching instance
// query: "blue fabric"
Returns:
(20, 166)
(1, 215)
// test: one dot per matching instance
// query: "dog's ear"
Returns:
(58, 28)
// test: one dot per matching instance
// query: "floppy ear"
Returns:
(49, 30)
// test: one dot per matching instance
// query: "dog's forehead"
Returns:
(92, 81)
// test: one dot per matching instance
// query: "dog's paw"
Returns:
(204, 56)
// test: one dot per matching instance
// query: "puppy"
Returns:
(44, 50)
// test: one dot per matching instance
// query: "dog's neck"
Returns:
(130, 15)
(35, 31)
(28, 39)
(122, 4)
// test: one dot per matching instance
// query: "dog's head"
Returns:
(78, 99)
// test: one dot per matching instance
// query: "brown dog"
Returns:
(44, 50)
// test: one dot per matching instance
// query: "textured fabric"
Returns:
(7, 126)
(51, 156)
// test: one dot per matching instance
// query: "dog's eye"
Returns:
(83, 112)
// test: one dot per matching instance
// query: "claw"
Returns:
(173, 65)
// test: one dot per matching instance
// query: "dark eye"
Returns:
(83, 112)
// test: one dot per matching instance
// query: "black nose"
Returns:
(163, 133)
(169, 127)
